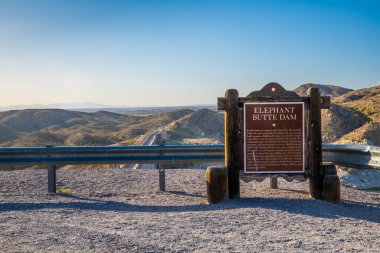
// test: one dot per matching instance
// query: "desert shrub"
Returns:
(64, 191)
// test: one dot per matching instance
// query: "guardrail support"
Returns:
(52, 179)
(161, 178)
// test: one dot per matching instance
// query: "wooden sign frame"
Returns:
(233, 105)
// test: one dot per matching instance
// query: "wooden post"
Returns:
(52, 179)
(331, 184)
(161, 179)
(231, 142)
(273, 182)
(315, 144)
(217, 184)
(240, 161)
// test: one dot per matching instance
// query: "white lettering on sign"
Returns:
(274, 137)
(274, 113)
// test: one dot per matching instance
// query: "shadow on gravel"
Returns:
(186, 194)
(316, 208)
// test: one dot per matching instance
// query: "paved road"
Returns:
(151, 140)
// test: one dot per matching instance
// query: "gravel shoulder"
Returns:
(122, 210)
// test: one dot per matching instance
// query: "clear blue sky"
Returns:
(181, 52)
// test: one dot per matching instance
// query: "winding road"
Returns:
(151, 140)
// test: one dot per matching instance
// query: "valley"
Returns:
(354, 117)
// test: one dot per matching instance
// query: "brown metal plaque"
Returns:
(274, 137)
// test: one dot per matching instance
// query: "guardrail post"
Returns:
(161, 178)
(231, 132)
(52, 179)
(315, 144)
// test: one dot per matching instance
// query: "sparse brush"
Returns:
(64, 191)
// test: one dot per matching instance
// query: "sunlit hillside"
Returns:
(352, 118)
(41, 127)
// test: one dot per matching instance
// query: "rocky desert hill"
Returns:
(204, 126)
(41, 127)
(367, 134)
(354, 115)
(352, 118)
(365, 102)
(326, 90)
(339, 120)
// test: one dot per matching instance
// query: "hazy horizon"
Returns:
(174, 53)
(91, 105)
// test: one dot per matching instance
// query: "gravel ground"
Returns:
(122, 210)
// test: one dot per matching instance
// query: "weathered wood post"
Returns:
(331, 184)
(231, 124)
(273, 182)
(315, 144)
(217, 184)
(52, 179)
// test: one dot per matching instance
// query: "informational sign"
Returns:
(274, 137)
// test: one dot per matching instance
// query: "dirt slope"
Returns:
(365, 100)
(354, 114)
(202, 126)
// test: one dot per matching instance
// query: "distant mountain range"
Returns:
(85, 105)
(94, 107)
(354, 117)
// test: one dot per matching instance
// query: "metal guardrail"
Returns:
(110, 155)
(354, 156)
